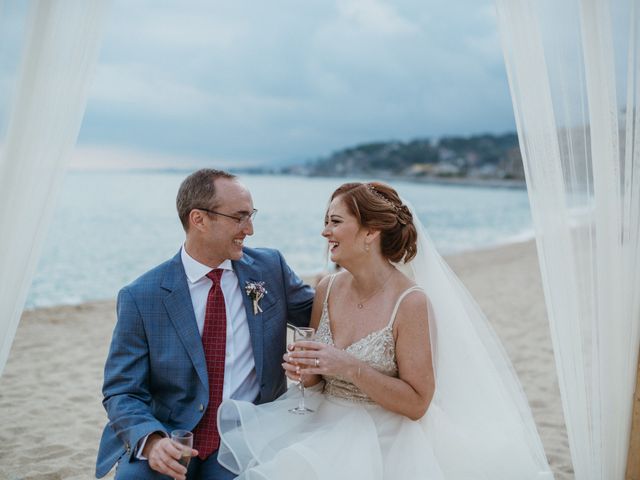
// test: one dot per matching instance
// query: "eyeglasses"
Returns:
(241, 220)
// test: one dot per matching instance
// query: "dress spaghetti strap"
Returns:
(415, 288)
(331, 279)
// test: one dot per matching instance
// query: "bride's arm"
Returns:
(290, 368)
(410, 394)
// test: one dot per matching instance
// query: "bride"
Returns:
(406, 378)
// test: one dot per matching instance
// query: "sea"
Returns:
(110, 227)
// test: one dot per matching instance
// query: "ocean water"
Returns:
(109, 228)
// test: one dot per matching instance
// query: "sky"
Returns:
(237, 82)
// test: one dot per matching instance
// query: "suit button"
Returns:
(201, 408)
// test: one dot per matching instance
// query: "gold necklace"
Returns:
(360, 304)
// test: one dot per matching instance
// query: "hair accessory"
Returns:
(373, 190)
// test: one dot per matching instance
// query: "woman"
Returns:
(403, 386)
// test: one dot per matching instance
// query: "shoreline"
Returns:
(308, 277)
(425, 179)
(50, 399)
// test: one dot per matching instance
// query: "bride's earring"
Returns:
(366, 247)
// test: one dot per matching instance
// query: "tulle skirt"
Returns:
(339, 440)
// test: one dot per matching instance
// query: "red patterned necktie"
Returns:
(214, 343)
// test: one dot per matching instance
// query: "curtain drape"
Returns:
(40, 126)
(573, 69)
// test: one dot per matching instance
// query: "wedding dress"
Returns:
(478, 425)
(347, 437)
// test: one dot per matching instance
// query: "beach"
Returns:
(50, 400)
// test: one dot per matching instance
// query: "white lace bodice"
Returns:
(377, 349)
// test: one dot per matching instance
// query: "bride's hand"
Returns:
(293, 369)
(321, 359)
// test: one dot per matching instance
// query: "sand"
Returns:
(51, 415)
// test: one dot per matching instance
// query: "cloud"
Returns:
(148, 89)
(375, 16)
(100, 157)
(267, 81)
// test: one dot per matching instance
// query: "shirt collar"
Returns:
(195, 270)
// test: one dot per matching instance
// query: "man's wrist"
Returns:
(147, 443)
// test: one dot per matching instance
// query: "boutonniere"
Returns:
(255, 291)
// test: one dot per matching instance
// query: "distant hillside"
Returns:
(478, 156)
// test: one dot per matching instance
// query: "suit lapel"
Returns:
(180, 310)
(246, 272)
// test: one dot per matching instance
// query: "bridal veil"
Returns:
(479, 421)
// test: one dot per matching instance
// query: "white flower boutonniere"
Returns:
(255, 291)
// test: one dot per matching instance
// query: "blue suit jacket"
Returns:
(155, 377)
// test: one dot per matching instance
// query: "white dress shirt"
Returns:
(240, 379)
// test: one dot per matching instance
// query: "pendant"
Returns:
(360, 305)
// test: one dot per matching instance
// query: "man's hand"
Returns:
(163, 456)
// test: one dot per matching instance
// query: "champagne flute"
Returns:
(302, 333)
(183, 440)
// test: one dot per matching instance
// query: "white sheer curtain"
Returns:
(59, 53)
(573, 70)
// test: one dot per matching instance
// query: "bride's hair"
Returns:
(378, 206)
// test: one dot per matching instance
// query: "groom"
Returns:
(207, 325)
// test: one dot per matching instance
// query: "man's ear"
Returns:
(196, 219)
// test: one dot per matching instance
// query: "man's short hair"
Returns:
(198, 191)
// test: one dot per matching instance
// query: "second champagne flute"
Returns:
(299, 334)
(183, 440)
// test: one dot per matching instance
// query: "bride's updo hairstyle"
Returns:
(379, 207)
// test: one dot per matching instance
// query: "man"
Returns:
(193, 331)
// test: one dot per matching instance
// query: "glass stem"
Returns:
(301, 405)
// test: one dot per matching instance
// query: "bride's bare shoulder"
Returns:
(323, 283)
(414, 308)
(404, 282)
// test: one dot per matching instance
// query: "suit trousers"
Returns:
(208, 469)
